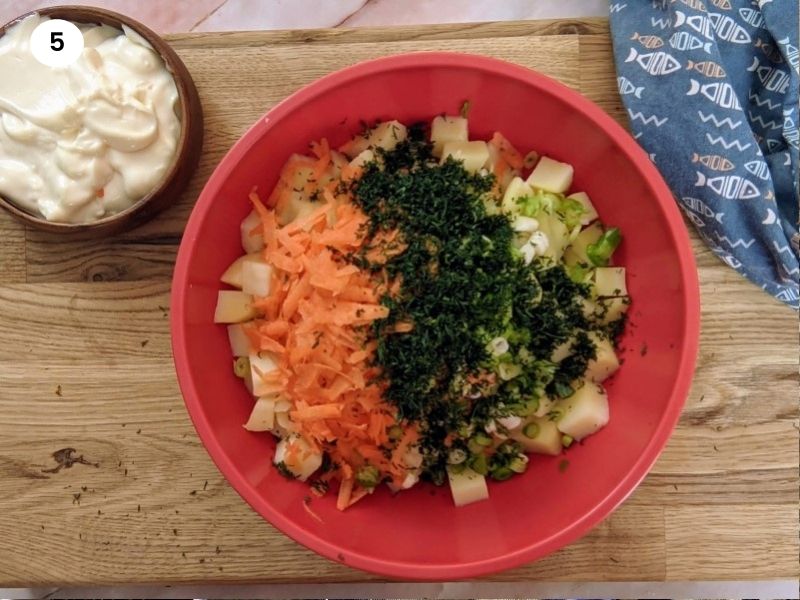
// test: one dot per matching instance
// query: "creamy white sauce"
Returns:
(89, 140)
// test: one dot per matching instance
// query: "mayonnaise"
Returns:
(82, 142)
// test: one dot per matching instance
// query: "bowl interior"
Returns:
(419, 533)
(189, 145)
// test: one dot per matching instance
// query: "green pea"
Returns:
(241, 366)
(368, 476)
(531, 430)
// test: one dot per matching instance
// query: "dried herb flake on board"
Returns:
(65, 458)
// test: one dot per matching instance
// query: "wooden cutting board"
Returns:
(85, 363)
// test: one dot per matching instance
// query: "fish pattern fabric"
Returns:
(711, 91)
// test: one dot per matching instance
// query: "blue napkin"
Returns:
(711, 90)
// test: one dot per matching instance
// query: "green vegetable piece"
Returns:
(395, 432)
(518, 464)
(368, 476)
(509, 447)
(571, 211)
(456, 469)
(600, 252)
(566, 440)
(531, 430)
(482, 439)
(563, 390)
(501, 473)
(480, 464)
(579, 272)
(474, 447)
(241, 366)
(540, 202)
(528, 407)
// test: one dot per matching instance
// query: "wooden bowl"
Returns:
(190, 142)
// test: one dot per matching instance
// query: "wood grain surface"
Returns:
(85, 363)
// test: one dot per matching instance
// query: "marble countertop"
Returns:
(178, 16)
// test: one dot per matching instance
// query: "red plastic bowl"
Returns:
(420, 534)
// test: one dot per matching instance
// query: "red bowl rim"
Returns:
(688, 347)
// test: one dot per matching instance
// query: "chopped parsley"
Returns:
(463, 283)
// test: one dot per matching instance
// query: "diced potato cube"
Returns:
(262, 417)
(583, 413)
(233, 274)
(473, 154)
(551, 176)
(252, 235)
(517, 188)
(297, 206)
(283, 424)
(606, 361)
(256, 278)
(467, 487)
(384, 135)
(300, 169)
(447, 129)
(363, 158)
(612, 309)
(547, 439)
(261, 363)
(387, 135)
(545, 406)
(610, 281)
(298, 456)
(233, 306)
(240, 343)
(591, 213)
(576, 252)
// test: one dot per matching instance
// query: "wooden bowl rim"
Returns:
(188, 100)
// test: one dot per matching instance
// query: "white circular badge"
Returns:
(56, 43)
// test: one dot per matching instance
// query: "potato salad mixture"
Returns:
(416, 305)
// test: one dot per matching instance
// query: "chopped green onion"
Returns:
(531, 430)
(508, 371)
(474, 447)
(395, 432)
(566, 440)
(518, 464)
(241, 366)
(570, 211)
(563, 390)
(579, 272)
(509, 447)
(479, 464)
(482, 439)
(456, 469)
(528, 407)
(554, 415)
(600, 252)
(456, 456)
(501, 473)
(368, 476)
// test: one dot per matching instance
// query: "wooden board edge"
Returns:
(545, 27)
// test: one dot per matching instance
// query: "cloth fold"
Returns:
(711, 90)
